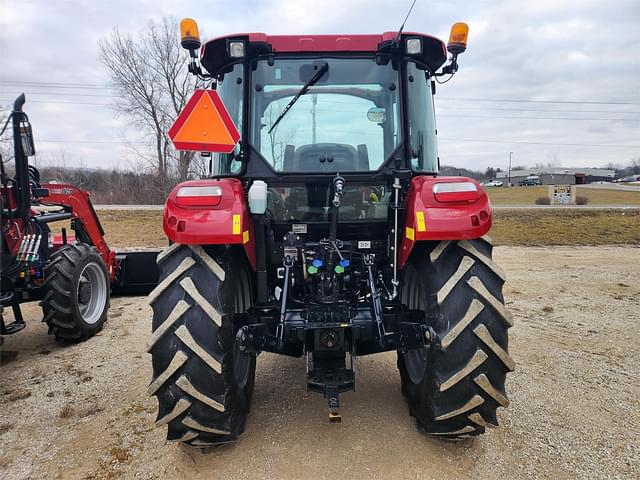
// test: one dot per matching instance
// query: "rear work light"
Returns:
(456, 192)
(236, 49)
(199, 196)
(414, 46)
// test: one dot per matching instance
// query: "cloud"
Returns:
(571, 50)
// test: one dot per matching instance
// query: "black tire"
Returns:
(455, 388)
(76, 293)
(203, 383)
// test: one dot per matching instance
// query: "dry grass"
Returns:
(139, 228)
(566, 227)
(121, 455)
(528, 195)
(130, 230)
(67, 411)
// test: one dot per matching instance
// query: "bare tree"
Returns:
(6, 147)
(278, 140)
(150, 77)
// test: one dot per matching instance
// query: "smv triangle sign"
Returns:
(204, 125)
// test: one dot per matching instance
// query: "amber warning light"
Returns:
(204, 125)
(189, 35)
(458, 38)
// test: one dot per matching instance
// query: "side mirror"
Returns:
(458, 38)
(189, 35)
(26, 137)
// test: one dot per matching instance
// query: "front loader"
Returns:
(324, 232)
(71, 273)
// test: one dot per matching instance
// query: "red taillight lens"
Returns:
(199, 196)
(456, 192)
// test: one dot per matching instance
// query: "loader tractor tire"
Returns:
(76, 293)
(202, 381)
(455, 387)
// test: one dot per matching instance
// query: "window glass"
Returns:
(312, 203)
(346, 122)
(422, 125)
(231, 90)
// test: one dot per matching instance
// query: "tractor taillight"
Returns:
(456, 192)
(199, 196)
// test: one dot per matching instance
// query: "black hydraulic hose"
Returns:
(52, 217)
(262, 283)
(338, 192)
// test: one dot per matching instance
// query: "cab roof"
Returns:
(214, 53)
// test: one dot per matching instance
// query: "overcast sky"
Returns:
(542, 51)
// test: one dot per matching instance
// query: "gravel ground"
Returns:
(81, 411)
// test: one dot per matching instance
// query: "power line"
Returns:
(519, 142)
(513, 100)
(119, 142)
(542, 118)
(446, 107)
(441, 115)
(104, 95)
(104, 86)
(70, 94)
(498, 117)
(64, 103)
(101, 86)
(107, 95)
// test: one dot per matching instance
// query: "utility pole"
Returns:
(509, 173)
(314, 102)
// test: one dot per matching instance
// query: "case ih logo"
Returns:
(62, 191)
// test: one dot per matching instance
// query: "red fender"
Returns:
(223, 221)
(465, 215)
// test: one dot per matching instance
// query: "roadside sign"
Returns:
(204, 125)
(562, 194)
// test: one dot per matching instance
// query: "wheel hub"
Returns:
(84, 292)
(92, 293)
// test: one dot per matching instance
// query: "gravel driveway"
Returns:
(81, 411)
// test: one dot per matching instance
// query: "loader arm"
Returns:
(86, 223)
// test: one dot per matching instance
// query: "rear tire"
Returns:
(203, 383)
(76, 293)
(455, 388)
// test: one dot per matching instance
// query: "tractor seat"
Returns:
(326, 157)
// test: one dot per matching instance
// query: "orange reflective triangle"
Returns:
(204, 125)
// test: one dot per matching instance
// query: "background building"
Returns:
(560, 175)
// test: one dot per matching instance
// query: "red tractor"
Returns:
(72, 274)
(325, 233)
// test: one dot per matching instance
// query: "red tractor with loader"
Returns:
(72, 273)
(324, 232)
